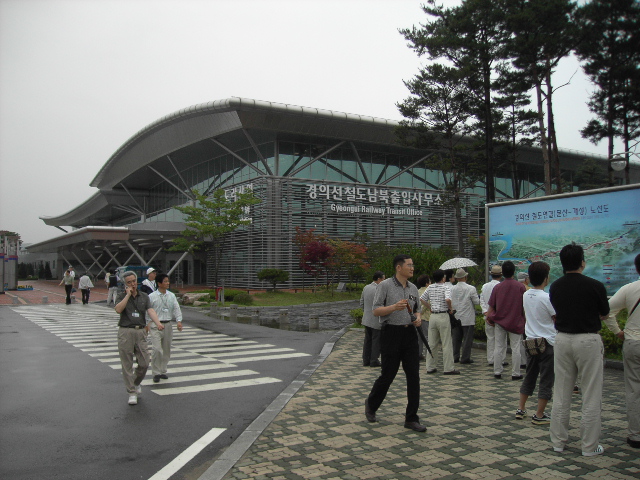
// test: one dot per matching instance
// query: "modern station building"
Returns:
(337, 173)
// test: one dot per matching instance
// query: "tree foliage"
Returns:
(209, 220)
(273, 276)
(610, 49)
(348, 258)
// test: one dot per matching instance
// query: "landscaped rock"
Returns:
(189, 298)
(199, 304)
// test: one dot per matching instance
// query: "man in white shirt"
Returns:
(166, 306)
(487, 288)
(464, 297)
(85, 285)
(629, 297)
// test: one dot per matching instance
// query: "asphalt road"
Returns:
(63, 406)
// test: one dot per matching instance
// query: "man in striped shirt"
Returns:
(438, 297)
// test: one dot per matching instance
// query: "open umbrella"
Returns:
(458, 262)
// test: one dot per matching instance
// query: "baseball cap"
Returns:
(150, 269)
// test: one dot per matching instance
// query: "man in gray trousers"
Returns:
(371, 347)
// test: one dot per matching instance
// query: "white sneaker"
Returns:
(598, 451)
(138, 389)
(133, 399)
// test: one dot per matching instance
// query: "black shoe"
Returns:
(366, 365)
(375, 364)
(456, 361)
(432, 371)
(497, 376)
(415, 426)
(523, 366)
(504, 364)
(467, 362)
(452, 372)
(164, 376)
(156, 378)
(517, 377)
(633, 443)
(370, 414)
(422, 358)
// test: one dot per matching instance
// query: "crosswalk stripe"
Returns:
(94, 332)
(217, 386)
(203, 376)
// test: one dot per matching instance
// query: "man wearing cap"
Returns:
(485, 295)
(72, 272)
(133, 305)
(464, 297)
(149, 284)
(523, 278)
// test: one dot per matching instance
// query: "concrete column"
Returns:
(284, 319)
(255, 317)
(15, 300)
(73, 299)
(233, 312)
(213, 309)
(45, 300)
(314, 323)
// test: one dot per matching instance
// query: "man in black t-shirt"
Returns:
(580, 303)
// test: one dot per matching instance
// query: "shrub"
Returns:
(230, 294)
(357, 314)
(355, 287)
(243, 299)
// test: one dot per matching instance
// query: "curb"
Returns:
(238, 448)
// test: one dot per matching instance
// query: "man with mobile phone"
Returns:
(132, 306)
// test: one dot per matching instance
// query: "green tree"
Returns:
(438, 114)
(610, 49)
(590, 175)
(470, 38)
(209, 220)
(542, 33)
(47, 272)
(273, 276)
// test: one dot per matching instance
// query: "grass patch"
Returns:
(284, 299)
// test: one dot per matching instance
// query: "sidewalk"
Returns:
(322, 432)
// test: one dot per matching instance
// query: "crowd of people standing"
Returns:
(555, 336)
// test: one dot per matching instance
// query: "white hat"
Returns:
(150, 269)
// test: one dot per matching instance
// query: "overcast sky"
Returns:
(78, 78)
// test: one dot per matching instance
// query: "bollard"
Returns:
(45, 300)
(15, 300)
(73, 299)
(233, 312)
(284, 319)
(213, 310)
(255, 317)
(314, 323)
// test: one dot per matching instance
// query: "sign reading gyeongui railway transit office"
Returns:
(373, 200)
(605, 222)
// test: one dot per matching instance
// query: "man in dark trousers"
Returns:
(396, 303)
(581, 304)
(371, 346)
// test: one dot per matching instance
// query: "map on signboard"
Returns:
(606, 225)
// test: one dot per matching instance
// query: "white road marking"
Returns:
(217, 386)
(186, 456)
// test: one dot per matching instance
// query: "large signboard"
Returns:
(605, 222)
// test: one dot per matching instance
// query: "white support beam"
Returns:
(80, 262)
(140, 210)
(96, 261)
(359, 160)
(326, 152)
(178, 173)
(417, 162)
(112, 256)
(154, 256)
(178, 262)
(228, 150)
(135, 252)
(186, 193)
(258, 153)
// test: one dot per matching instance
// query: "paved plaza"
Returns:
(472, 433)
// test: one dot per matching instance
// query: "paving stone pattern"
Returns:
(322, 432)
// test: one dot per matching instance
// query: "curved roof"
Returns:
(206, 120)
